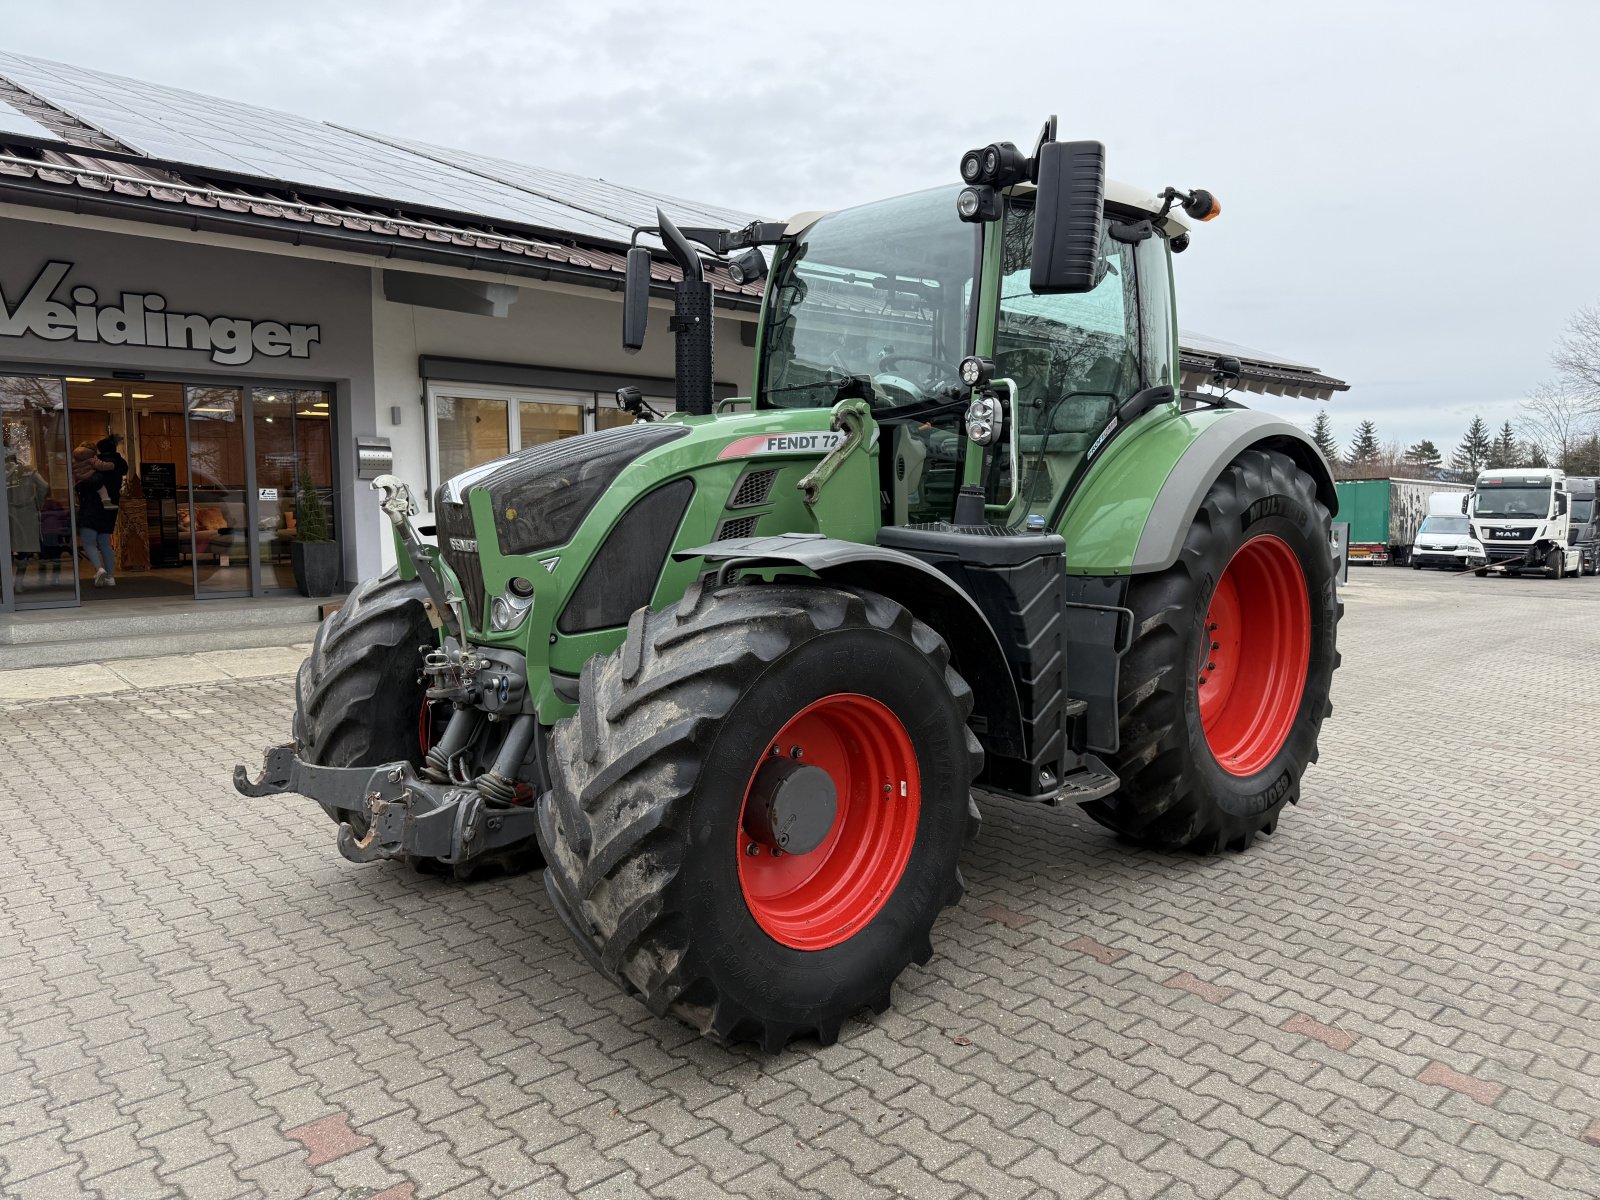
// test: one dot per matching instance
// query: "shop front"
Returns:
(191, 402)
(216, 477)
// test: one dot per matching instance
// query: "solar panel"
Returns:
(14, 121)
(627, 206)
(243, 139)
(223, 135)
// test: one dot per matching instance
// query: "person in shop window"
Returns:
(26, 494)
(97, 518)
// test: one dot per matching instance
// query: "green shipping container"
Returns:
(1365, 504)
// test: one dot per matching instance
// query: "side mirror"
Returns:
(1561, 503)
(636, 298)
(1069, 209)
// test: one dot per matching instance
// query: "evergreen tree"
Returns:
(1473, 452)
(1322, 435)
(1425, 456)
(1536, 456)
(1503, 451)
(1365, 448)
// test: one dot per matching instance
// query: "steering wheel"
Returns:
(901, 389)
(886, 364)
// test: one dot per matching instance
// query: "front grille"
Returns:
(1510, 535)
(455, 520)
(753, 489)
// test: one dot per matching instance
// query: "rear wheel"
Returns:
(756, 814)
(1225, 687)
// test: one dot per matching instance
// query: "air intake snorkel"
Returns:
(691, 314)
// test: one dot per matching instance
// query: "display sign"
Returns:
(141, 319)
(267, 495)
(159, 475)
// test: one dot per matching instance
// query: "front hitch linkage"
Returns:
(405, 813)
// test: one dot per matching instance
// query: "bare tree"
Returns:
(1577, 359)
(1559, 417)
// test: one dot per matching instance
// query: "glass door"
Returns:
(294, 469)
(221, 500)
(40, 513)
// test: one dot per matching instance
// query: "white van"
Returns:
(1445, 536)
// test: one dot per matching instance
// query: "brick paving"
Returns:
(1396, 995)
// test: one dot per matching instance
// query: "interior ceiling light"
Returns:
(79, 379)
(113, 395)
(143, 395)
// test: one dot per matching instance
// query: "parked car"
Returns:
(1445, 539)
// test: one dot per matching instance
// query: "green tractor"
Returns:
(734, 674)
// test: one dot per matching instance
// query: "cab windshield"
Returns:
(1441, 526)
(1512, 501)
(872, 299)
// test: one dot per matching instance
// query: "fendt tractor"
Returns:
(735, 674)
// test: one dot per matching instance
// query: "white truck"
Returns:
(1523, 517)
(1444, 539)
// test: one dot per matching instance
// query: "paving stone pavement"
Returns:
(1394, 996)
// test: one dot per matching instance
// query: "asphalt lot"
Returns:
(1396, 995)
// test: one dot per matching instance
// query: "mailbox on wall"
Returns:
(374, 457)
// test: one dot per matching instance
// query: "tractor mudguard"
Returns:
(1135, 506)
(921, 589)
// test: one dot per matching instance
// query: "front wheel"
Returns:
(1224, 690)
(1555, 564)
(757, 812)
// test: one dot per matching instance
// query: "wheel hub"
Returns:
(1253, 660)
(828, 821)
(792, 806)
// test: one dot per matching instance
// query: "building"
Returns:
(251, 299)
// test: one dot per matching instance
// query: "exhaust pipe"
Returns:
(691, 316)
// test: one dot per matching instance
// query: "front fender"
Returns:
(1134, 508)
(923, 590)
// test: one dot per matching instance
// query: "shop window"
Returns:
(38, 479)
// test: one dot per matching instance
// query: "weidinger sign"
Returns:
(142, 319)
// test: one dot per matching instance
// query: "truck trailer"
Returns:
(1385, 515)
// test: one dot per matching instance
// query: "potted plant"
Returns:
(313, 553)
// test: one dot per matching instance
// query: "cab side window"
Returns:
(1074, 358)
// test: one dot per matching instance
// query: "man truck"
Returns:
(734, 675)
(1523, 517)
(1585, 522)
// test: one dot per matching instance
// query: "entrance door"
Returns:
(293, 430)
(221, 496)
(40, 513)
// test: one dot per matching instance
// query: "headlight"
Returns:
(511, 609)
(984, 417)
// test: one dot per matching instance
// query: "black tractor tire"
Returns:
(1480, 572)
(359, 699)
(1175, 793)
(1555, 564)
(643, 828)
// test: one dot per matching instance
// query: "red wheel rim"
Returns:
(1252, 669)
(816, 900)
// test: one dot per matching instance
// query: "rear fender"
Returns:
(919, 588)
(1135, 506)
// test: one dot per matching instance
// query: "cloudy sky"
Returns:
(1406, 186)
